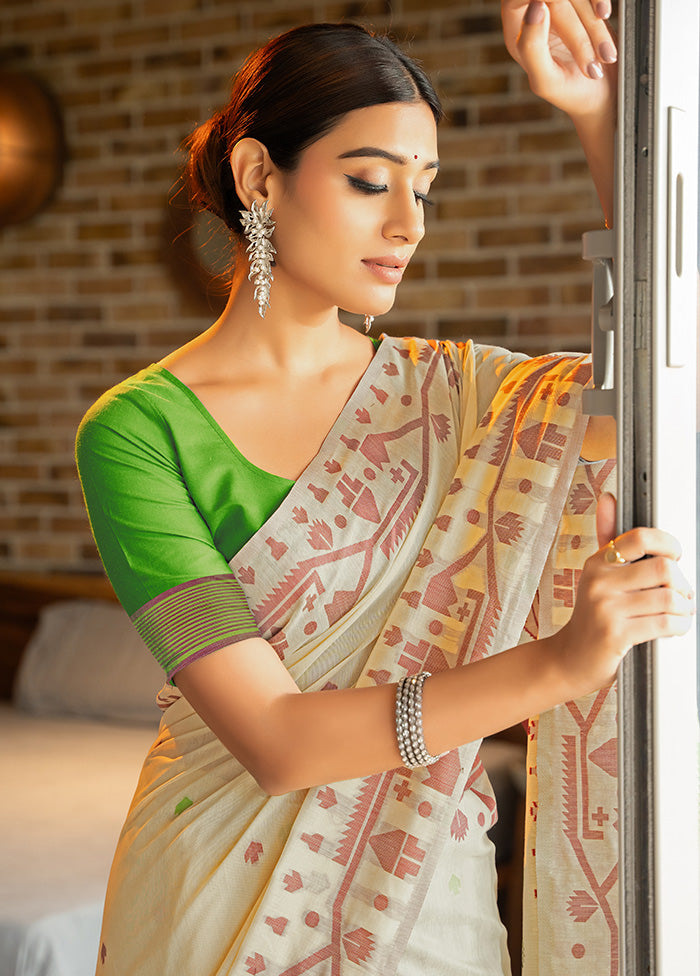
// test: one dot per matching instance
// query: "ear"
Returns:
(252, 170)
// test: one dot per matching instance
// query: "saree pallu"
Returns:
(445, 518)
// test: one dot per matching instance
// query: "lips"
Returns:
(389, 268)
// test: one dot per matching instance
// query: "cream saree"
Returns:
(445, 518)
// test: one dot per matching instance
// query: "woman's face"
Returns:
(351, 214)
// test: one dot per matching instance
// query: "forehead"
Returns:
(404, 129)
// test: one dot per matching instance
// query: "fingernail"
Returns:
(607, 52)
(595, 71)
(603, 10)
(534, 13)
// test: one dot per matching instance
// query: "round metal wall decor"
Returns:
(31, 147)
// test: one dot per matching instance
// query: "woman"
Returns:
(387, 510)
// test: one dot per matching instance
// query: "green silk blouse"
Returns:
(171, 500)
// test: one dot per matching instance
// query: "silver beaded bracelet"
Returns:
(409, 721)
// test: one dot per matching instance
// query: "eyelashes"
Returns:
(364, 186)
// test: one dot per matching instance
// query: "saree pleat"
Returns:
(416, 539)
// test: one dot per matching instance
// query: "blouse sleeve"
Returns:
(157, 549)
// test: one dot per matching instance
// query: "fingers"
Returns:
(646, 541)
(647, 574)
(600, 43)
(584, 36)
(605, 518)
(662, 601)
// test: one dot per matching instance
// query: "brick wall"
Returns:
(92, 289)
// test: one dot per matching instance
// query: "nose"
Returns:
(405, 220)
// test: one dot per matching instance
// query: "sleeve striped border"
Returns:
(194, 619)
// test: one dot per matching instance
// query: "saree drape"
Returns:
(445, 518)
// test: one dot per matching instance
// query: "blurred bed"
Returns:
(77, 715)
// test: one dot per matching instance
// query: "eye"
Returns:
(422, 198)
(364, 186)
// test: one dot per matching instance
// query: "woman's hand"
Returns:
(569, 55)
(622, 604)
(567, 51)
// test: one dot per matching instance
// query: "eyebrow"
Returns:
(383, 154)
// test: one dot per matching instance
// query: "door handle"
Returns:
(599, 393)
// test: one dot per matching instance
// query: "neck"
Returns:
(297, 335)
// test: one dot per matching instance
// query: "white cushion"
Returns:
(86, 658)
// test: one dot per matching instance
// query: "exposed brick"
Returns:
(515, 173)
(209, 27)
(21, 471)
(44, 21)
(551, 140)
(548, 264)
(104, 231)
(135, 257)
(67, 524)
(155, 8)
(46, 550)
(73, 44)
(110, 285)
(19, 523)
(511, 236)
(34, 445)
(75, 366)
(153, 37)
(45, 392)
(281, 17)
(482, 206)
(110, 176)
(548, 203)
(547, 325)
(139, 143)
(425, 297)
(415, 270)
(17, 262)
(43, 496)
(101, 13)
(87, 292)
(461, 329)
(104, 339)
(105, 68)
(452, 85)
(180, 115)
(450, 178)
(508, 114)
(74, 313)
(22, 367)
(576, 294)
(78, 99)
(107, 122)
(471, 145)
(501, 297)
(355, 9)
(148, 311)
(471, 269)
(173, 59)
(573, 230)
(68, 259)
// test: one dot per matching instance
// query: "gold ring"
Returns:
(612, 555)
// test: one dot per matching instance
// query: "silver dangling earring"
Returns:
(258, 227)
(368, 323)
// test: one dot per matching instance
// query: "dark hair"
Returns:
(290, 93)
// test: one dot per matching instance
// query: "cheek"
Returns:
(321, 220)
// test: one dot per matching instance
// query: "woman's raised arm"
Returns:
(569, 55)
